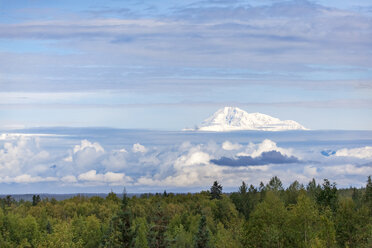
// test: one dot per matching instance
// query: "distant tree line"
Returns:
(267, 215)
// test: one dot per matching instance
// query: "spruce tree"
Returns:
(328, 195)
(119, 233)
(202, 236)
(216, 190)
(275, 184)
(125, 220)
(368, 194)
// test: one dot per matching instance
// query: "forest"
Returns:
(267, 215)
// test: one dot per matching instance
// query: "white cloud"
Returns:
(139, 148)
(192, 158)
(362, 152)
(108, 177)
(190, 169)
(69, 179)
(86, 144)
(116, 160)
(347, 169)
(86, 154)
(310, 171)
(228, 146)
(26, 178)
(68, 159)
(123, 150)
(255, 150)
(20, 155)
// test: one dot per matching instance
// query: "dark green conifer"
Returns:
(216, 190)
(202, 236)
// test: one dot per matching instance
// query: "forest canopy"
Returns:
(267, 215)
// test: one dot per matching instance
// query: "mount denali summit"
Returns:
(235, 119)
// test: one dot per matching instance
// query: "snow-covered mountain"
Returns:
(233, 119)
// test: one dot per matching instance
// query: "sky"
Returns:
(171, 64)
(100, 160)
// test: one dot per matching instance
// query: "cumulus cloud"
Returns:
(139, 148)
(192, 158)
(271, 157)
(228, 146)
(362, 152)
(85, 154)
(26, 178)
(255, 150)
(20, 155)
(108, 177)
(177, 165)
(116, 160)
(189, 166)
(85, 144)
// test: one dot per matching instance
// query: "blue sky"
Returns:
(171, 64)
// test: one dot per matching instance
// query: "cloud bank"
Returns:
(178, 166)
(361, 152)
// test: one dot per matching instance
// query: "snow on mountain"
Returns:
(234, 119)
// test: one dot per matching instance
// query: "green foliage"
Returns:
(327, 196)
(141, 231)
(306, 226)
(245, 199)
(263, 216)
(368, 194)
(179, 237)
(201, 239)
(216, 190)
(35, 200)
(224, 239)
(274, 184)
(266, 223)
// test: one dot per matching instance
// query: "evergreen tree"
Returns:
(357, 197)
(35, 200)
(275, 184)
(216, 190)
(159, 227)
(125, 222)
(49, 228)
(240, 199)
(262, 190)
(292, 192)
(327, 196)
(245, 199)
(119, 233)
(368, 194)
(202, 236)
(243, 189)
(313, 189)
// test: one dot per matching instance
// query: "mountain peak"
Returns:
(234, 119)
